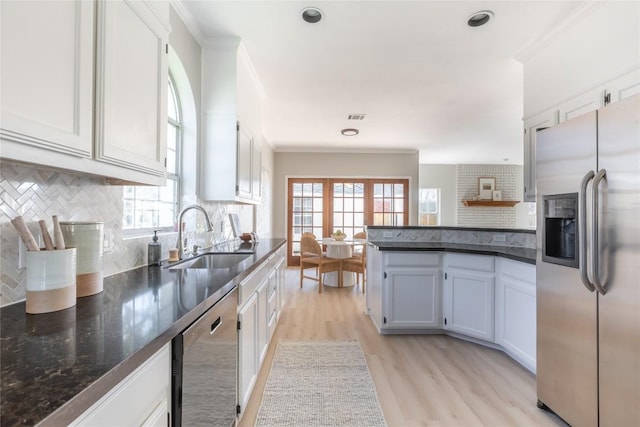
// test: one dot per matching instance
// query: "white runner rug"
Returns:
(319, 383)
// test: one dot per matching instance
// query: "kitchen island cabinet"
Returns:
(50, 114)
(516, 310)
(405, 290)
(480, 293)
(468, 295)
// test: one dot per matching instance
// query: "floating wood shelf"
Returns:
(491, 203)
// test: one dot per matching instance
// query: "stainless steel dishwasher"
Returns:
(204, 371)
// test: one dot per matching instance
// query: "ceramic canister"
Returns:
(51, 280)
(88, 238)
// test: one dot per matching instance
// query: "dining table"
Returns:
(340, 249)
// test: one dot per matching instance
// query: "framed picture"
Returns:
(486, 186)
(497, 195)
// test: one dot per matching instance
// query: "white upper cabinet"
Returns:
(232, 97)
(243, 161)
(50, 115)
(612, 91)
(531, 127)
(47, 77)
(131, 87)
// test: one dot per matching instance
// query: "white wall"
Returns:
(444, 178)
(344, 165)
(595, 48)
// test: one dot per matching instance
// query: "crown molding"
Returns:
(189, 21)
(531, 49)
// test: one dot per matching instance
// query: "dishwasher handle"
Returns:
(215, 325)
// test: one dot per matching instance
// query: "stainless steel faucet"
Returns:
(182, 212)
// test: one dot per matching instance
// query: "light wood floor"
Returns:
(420, 380)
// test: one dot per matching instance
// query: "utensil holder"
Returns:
(88, 238)
(51, 280)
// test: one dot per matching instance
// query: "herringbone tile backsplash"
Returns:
(38, 194)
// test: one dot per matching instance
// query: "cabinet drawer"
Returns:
(470, 262)
(271, 326)
(251, 283)
(272, 304)
(518, 270)
(414, 259)
(273, 283)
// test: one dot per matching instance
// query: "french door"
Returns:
(323, 205)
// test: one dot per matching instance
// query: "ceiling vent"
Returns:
(356, 116)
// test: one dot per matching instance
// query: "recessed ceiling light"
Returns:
(311, 15)
(479, 18)
(349, 132)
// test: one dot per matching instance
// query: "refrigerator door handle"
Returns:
(582, 231)
(595, 227)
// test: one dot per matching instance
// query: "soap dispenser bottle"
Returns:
(155, 250)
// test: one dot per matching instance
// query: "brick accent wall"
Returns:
(467, 187)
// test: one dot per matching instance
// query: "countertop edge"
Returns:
(449, 247)
(82, 401)
(444, 227)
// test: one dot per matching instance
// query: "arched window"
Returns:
(155, 208)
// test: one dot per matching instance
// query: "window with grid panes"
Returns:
(348, 207)
(307, 209)
(389, 203)
(324, 205)
(156, 208)
(429, 208)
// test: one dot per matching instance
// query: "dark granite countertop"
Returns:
(56, 365)
(518, 254)
(444, 227)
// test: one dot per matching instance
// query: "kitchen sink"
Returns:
(212, 260)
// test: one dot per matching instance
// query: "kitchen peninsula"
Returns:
(476, 284)
(57, 365)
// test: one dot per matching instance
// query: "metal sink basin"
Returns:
(212, 261)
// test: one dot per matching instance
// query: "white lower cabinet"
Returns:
(486, 298)
(263, 318)
(143, 398)
(247, 349)
(403, 290)
(468, 295)
(412, 298)
(280, 275)
(259, 306)
(516, 310)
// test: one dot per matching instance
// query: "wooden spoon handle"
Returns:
(25, 234)
(48, 243)
(57, 234)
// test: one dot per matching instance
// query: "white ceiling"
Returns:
(425, 80)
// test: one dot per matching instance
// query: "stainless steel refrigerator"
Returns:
(588, 267)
